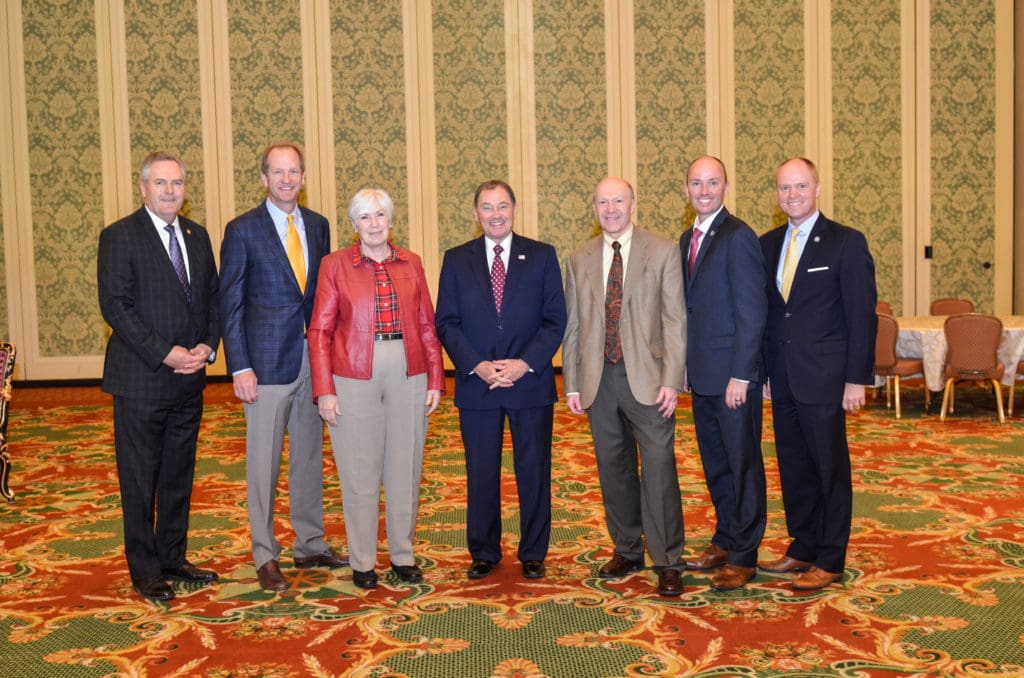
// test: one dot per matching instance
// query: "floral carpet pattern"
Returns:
(934, 584)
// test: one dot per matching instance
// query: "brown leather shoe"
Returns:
(732, 577)
(270, 577)
(670, 582)
(784, 564)
(713, 556)
(816, 578)
(328, 558)
(618, 566)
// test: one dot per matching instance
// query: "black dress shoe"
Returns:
(533, 569)
(408, 573)
(480, 569)
(153, 588)
(364, 580)
(618, 566)
(190, 573)
(669, 583)
(328, 558)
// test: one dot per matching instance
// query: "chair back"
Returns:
(884, 307)
(972, 342)
(951, 306)
(885, 344)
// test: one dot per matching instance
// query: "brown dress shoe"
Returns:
(328, 558)
(713, 556)
(732, 577)
(816, 578)
(270, 577)
(670, 582)
(784, 564)
(618, 566)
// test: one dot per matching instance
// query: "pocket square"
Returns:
(819, 268)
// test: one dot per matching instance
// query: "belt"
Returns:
(387, 336)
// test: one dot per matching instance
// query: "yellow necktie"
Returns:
(789, 265)
(295, 258)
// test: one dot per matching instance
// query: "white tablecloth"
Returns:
(923, 337)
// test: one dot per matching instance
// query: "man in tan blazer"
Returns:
(624, 356)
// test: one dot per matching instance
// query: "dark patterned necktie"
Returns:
(498, 277)
(612, 308)
(179, 262)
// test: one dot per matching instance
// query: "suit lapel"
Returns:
(478, 267)
(272, 242)
(636, 265)
(816, 240)
(156, 245)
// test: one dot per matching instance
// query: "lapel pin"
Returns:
(521, 257)
(188, 231)
(817, 238)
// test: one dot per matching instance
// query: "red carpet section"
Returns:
(934, 585)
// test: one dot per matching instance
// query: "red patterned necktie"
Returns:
(613, 307)
(498, 277)
(694, 248)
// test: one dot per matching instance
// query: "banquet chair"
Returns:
(7, 355)
(951, 306)
(972, 340)
(891, 366)
(884, 307)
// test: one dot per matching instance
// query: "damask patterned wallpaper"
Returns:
(670, 110)
(572, 129)
(369, 122)
(164, 106)
(770, 104)
(866, 132)
(64, 173)
(470, 110)
(266, 87)
(963, 150)
(370, 148)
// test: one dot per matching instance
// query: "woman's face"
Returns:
(373, 227)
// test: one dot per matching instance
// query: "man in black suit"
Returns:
(501, 315)
(724, 283)
(158, 292)
(819, 346)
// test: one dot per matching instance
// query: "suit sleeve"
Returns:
(116, 264)
(543, 346)
(673, 320)
(570, 341)
(749, 301)
(232, 299)
(857, 286)
(449, 317)
(212, 334)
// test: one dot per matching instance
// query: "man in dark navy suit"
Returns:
(724, 280)
(819, 346)
(157, 284)
(500, 316)
(269, 263)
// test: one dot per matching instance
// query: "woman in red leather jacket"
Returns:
(377, 375)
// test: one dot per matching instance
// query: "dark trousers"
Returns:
(155, 445)
(730, 453)
(642, 502)
(814, 469)
(482, 435)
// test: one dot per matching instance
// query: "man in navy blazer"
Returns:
(157, 283)
(819, 346)
(269, 261)
(501, 329)
(724, 283)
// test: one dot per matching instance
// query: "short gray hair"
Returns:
(364, 201)
(159, 156)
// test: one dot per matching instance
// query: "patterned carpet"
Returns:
(935, 583)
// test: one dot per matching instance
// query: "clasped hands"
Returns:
(188, 361)
(501, 373)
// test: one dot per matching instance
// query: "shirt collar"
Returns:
(623, 239)
(706, 225)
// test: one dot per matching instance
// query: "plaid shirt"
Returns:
(387, 320)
